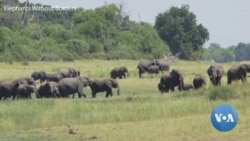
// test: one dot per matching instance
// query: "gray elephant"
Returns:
(48, 90)
(215, 73)
(69, 72)
(68, 86)
(144, 65)
(199, 81)
(187, 87)
(54, 77)
(25, 90)
(26, 80)
(171, 80)
(39, 75)
(102, 85)
(120, 72)
(238, 73)
(163, 65)
(153, 69)
(8, 88)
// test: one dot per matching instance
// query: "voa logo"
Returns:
(224, 117)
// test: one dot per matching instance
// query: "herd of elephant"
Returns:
(215, 72)
(60, 84)
(69, 81)
(169, 81)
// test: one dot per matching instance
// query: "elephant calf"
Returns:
(187, 87)
(102, 85)
(25, 90)
(199, 81)
(119, 72)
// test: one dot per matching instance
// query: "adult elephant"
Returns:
(8, 88)
(153, 69)
(68, 86)
(199, 81)
(48, 90)
(163, 65)
(120, 72)
(144, 65)
(54, 77)
(238, 73)
(26, 80)
(104, 85)
(69, 72)
(39, 75)
(215, 73)
(25, 90)
(171, 80)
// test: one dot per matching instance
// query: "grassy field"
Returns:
(139, 113)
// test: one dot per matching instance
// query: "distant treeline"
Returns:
(215, 52)
(104, 33)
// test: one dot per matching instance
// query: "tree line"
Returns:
(217, 53)
(105, 32)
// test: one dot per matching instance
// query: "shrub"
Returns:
(68, 57)
(50, 57)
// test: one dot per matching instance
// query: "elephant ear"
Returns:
(113, 83)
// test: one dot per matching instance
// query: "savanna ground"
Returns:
(139, 113)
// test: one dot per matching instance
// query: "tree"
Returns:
(178, 28)
(217, 53)
(242, 52)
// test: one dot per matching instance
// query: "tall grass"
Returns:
(140, 108)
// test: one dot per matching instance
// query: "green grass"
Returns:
(139, 113)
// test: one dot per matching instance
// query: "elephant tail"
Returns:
(118, 90)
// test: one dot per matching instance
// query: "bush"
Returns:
(78, 48)
(223, 92)
(50, 58)
(68, 57)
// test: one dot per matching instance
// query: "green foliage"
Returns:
(242, 52)
(77, 48)
(178, 28)
(103, 32)
(217, 53)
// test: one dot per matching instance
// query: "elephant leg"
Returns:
(229, 81)
(109, 92)
(14, 96)
(93, 94)
(172, 89)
